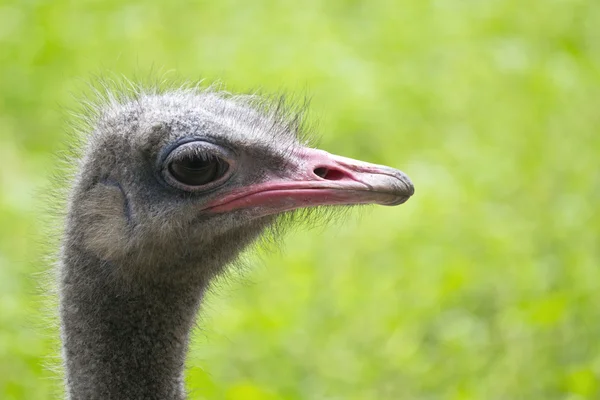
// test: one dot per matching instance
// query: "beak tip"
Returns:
(408, 190)
(408, 187)
(403, 198)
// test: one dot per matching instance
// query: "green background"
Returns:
(485, 285)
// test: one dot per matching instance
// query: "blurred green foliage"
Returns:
(485, 285)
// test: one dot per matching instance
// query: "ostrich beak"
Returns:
(317, 178)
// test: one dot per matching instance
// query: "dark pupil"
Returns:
(196, 171)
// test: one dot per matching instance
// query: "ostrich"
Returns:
(170, 187)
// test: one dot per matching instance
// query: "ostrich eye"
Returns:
(196, 170)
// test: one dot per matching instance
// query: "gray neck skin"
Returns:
(124, 341)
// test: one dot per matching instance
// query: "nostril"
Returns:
(321, 172)
(329, 174)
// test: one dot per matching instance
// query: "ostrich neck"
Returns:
(122, 341)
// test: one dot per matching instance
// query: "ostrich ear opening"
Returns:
(106, 215)
(317, 178)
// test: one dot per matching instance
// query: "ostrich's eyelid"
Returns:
(204, 152)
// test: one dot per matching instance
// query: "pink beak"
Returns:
(319, 179)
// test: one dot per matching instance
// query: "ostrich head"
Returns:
(170, 188)
(195, 176)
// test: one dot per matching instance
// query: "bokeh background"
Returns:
(484, 286)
